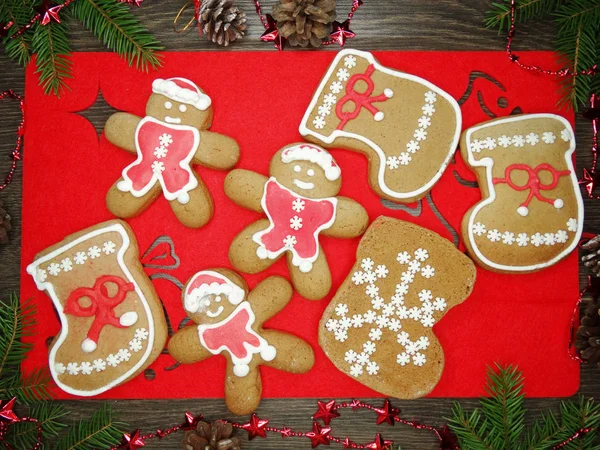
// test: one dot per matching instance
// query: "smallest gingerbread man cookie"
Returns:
(230, 322)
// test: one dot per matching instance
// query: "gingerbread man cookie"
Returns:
(230, 322)
(113, 324)
(531, 212)
(168, 141)
(300, 200)
(407, 127)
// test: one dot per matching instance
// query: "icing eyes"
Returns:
(182, 108)
(218, 298)
(168, 105)
(310, 173)
(297, 168)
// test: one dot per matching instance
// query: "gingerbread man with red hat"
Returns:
(170, 139)
(300, 200)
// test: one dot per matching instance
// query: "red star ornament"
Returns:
(380, 444)
(286, 432)
(355, 405)
(256, 427)
(49, 13)
(319, 435)
(271, 33)
(341, 32)
(590, 180)
(448, 439)
(326, 412)
(387, 414)
(6, 412)
(347, 443)
(133, 441)
(191, 421)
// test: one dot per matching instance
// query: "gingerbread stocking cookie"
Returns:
(378, 326)
(168, 141)
(230, 322)
(300, 201)
(407, 127)
(531, 212)
(113, 325)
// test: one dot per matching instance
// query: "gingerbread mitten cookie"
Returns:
(168, 141)
(300, 200)
(378, 326)
(407, 127)
(531, 212)
(230, 322)
(113, 325)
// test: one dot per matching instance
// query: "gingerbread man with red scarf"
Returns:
(300, 201)
(168, 141)
(230, 321)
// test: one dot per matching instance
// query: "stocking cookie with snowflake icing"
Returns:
(300, 201)
(378, 326)
(113, 325)
(531, 212)
(229, 321)
(407, 127)
(168, 141)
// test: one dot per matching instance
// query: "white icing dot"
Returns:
(128, 319)
(379, 116)
(297, 168)
(558, 203)
(88, 346)
(388, 92)
(168, 105)
(310, 173)
(268, 353)
(305, 266)
(523, 211)
(241, 370)
(183, 198)
(261, 252)
(182, 108)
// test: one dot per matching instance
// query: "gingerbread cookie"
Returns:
(230, 322)
(113, 325)
(300, 201)
(407, 127)
(531, 212)
(378, 326)
(168, 141)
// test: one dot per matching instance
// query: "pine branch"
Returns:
(570, 16)
(470, 429)
(499, 15)
(17, 48)
(17, 320)
(24, 434)
(120, 31)
(51, 45)
(579, 415)
(544, 433)
(100, 431)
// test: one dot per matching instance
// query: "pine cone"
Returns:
(4, 225)
(221, 21)
(304, 22)
(211, 436)
(591, 258)
(587, 338)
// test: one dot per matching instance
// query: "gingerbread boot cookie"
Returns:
(168, 141)
(113, 325)
(300, 201)
(407, 127)
(531, 212)
(230, 322)
(378, 326)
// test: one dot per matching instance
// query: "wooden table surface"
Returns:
(379, 25)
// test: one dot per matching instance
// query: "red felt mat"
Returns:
(259, 99)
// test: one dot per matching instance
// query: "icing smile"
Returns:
(303, 184)
(170, 119)
(217, 313)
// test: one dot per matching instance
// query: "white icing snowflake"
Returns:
(345, 323)
(296, 223)
(427, 321)
(341, 335)
(94, 252)
(403, 257)
(479, 229)
(66, 265)
(427, 271)
(85, 368)
(367, 264)
(565, 135)
(112, 360)
(41, 275)
(518, 140)
(403, 338)
(356, 370)
(402, 289)
(419, 359)
(382, 321)
(421, 254)
(508, 238)
(372, 368)
(395, 325)
(343, 74)
(99, 365)
(549, 239)
(330, 99)
(298, 205)
(141, 334)
(477, 146)
(504, 141)
(404, 159)
(358, 278)
(350, 61)
(407, 277)
(336, 87)
(319, 122)
(377, 302)
(494, 235)
(158, 167)
(413, 147)
(572, 224)
(430, 97)
(548, 137)
(123, 355)
(324, 110)
(54, 269)
(362, 358)
(403, 359)
(373, 291)
(135, 345)
(289, 241)
(562, 236)
(423, 342)
(439, 304)
(414, 313)
(370, 277)
(332, 325)
(424, 122)
(420, 134)
(357, 320)
(490, 143)
(350, 356)
(425, 295)
(370, 316)
(397, 300)
(402, 312)
(375, 334)
(522, 239)
(392, 162)
(60, 368)
(428, 109)
(537, 239)
(165, 139)
(532, 139)
(414, 266)
(109, 247)
(80, 258)
(160, 152)
(341, 309)
(427, 308)
(72, 368)
(381, 271)
(369, 347)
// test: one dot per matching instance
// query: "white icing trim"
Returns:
(304, 130)
(316, 155)
(520, 239)
(193, 300)
(32, 269)
(169, 89)
(488, 163)
(517, 141)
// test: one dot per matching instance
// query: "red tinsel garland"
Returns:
(15, 155)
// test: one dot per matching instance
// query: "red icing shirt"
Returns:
(164, 152)
(295, 224)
